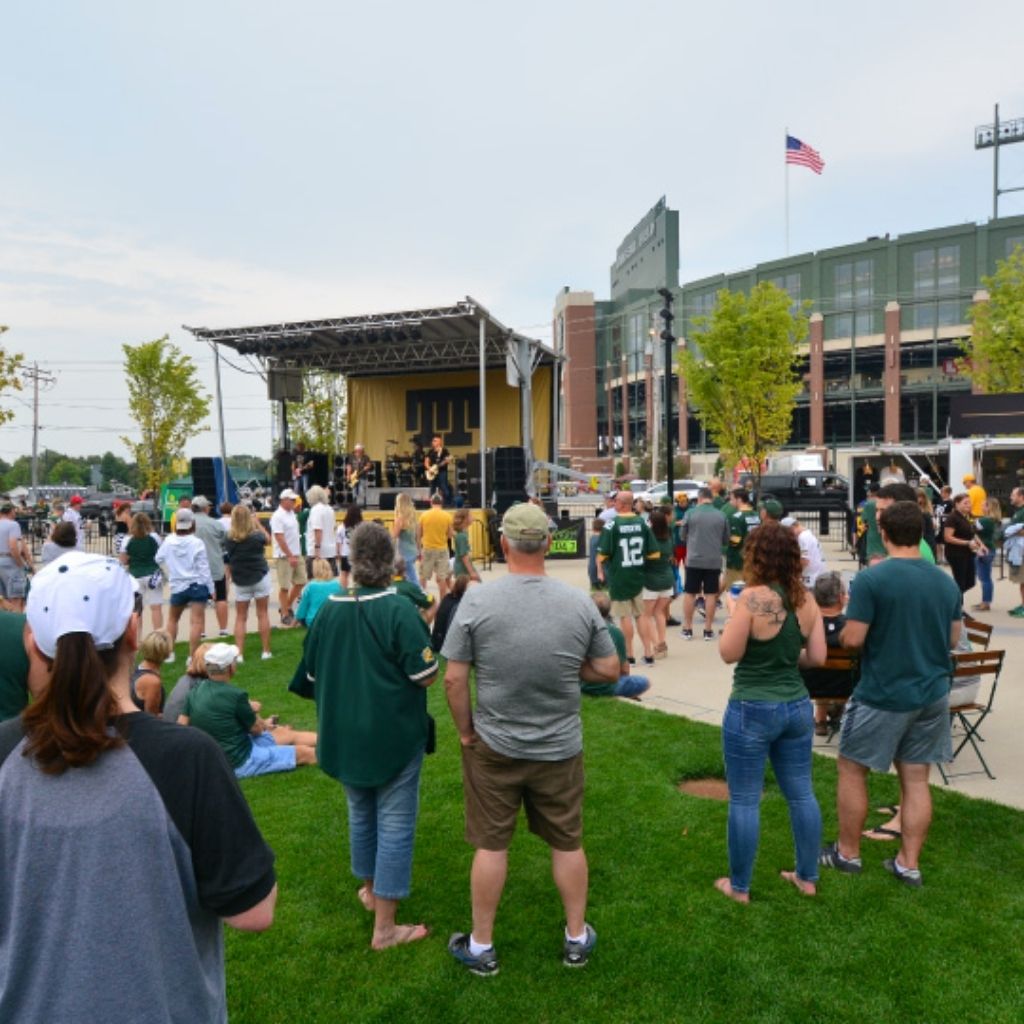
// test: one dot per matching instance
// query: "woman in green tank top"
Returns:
(769, 715)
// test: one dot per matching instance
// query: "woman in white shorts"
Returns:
(246, 553)
(138, 554)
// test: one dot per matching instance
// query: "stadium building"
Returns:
(879, 364)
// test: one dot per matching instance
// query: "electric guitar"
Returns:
(299, 467)
(432, 471)
(355, 474)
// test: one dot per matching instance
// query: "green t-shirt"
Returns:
(874, 546)
(462, 548)
(659, 573)
(13, 666)
(223, 712)
(737, 535)
(141, 552)
(301, 518)
(626, 543)
(987, 530)
(605, 689)
(409, 590)
(369, 656)
(768, 669)
(908, 606)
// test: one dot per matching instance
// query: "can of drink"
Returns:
(737, 588)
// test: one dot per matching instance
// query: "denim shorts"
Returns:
(194, 593)
(875, 737)
(13, 582)
(266, 757)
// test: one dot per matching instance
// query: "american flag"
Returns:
(798, 152)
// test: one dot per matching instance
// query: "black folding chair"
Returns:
(846, 662)
(970, 716)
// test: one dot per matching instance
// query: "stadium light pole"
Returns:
(669, 339)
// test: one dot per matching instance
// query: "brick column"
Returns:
(816, 380)
(624, 369)
(891, 374)
(609, 395)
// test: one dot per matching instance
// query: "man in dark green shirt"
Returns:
(14, 667)
(874, 549)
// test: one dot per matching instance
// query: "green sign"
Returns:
(568, 540)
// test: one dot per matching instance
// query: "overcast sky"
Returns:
(228, 163)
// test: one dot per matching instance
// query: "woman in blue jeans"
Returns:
(769, 715)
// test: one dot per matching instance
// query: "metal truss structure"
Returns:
(435, 339)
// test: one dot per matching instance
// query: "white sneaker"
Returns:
(265, 656)
(239, 660)
(169, 660)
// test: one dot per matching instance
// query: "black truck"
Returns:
(807, 490)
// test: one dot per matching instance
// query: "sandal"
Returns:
(881, 833)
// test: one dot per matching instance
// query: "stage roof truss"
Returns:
(432, 339)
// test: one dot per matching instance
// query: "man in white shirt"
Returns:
(291, 569)
(321, 530)
(812, 560)
(72, 515)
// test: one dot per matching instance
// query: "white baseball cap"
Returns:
(287, 494)
(80, 593)
(220, 657)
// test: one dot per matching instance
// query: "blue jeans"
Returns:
(631, 686)
(983, 565)
(752, 732)
(382, 828)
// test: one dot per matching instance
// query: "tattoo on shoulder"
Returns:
(769, 607)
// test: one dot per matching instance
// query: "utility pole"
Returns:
(36, 376)
(669, 339)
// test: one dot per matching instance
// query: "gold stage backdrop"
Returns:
(447, 404)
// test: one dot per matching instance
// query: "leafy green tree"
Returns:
(67, 471)
(167, 403)
(743, 381)
(115, 468)
(311, 421)
(10, 376)
(995, 351)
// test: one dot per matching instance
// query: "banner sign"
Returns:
(569, 540)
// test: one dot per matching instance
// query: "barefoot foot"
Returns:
(807, 888)
(724, 886)
(365, 895)
(399, 935)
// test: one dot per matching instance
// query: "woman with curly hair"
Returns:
(773, 626)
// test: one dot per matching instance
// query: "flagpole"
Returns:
(785, 164)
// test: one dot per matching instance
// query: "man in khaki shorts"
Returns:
(626, 544)
(433, 531)
(522, 745)
(291, 567)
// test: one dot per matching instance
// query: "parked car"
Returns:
(807, 490)
(656, 492)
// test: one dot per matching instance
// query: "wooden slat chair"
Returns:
(988, 665)
(847, 661)
(978, 632)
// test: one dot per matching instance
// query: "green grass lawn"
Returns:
(670, 948)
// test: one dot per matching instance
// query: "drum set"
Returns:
(404, 469)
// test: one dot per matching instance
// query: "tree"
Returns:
(67, 471)
(311, 421)
(168, 404)
(995, 351)
(10, 376)
(743, 380)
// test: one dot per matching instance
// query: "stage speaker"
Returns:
(319, 474)
(505, 499)
(284, 385)
(387, 499)
(283, 469)
(204, 479)
(509, 471)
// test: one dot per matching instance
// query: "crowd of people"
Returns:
(93, 725)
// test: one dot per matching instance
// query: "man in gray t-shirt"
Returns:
(214, 537)
(705, 532)
(14, 560)
(531, 640)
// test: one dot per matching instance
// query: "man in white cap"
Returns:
(291, 567)
(812, 561)
(130, 827)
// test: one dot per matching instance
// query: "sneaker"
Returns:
(632, 661)
(1018, 612)
(672, 621)
(485, 964)
(575, 954)
(169, 660)
(709, 634)
(830, 857)
(648, 661)
(687, 634)
(223, 633)
(287, 619)
(908, 876)
(239, 660)
(265, 656)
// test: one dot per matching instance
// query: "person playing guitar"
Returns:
(435, 464)
(357, 468)
(301, 465)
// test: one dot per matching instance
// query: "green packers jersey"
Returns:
(626, 544)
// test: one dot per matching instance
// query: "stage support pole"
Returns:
(484, 497)
(220, 405)
(524, 357)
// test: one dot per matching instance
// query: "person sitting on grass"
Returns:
(628, 685)
(463, 550)
(195, 673)
(252, 746)
(146, 686)
(322, 586)
(423, 602)
(446, 612)
(62, 540)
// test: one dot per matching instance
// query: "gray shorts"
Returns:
(13, 582)
(875, 738)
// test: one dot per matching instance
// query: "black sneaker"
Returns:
(908, 876)
(485, 964)
(672, 621)
(632, 661)
(687, 633)
(575, 954)
(830, 857)
(709, 634)
(648, 661)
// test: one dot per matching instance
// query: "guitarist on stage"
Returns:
(357, 469)
(301, 465)
(435, 463)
